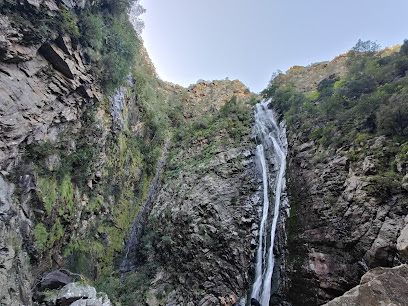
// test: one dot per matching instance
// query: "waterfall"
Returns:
(130, 259)
(271, 150)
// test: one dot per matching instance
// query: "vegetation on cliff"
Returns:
(342, 111)
(90, 179)
(347, 167)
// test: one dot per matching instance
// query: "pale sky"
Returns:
(189, 40)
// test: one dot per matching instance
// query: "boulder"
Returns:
(380, 286)
(101, 300)
(54, 280)
(73, 292)
(402, 241)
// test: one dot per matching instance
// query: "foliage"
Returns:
(366, 46)
(48, 192)
(41, 236)
(111, 40)
(404, 48)
(68, 24)
(392, 118)
(371, 97)
(363, 115)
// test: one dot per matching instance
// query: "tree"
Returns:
(366, 46)
(404, 47)
(393, 118)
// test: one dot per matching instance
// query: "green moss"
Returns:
(68, 23)
(339, 84)
(41, 236)
(67, 193)
(48, 193)
(385, 181)
(57, 232)
(314, 96)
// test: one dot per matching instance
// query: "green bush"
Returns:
(393, 118)
(92, 27)
(401, 66)
(325, 87)
(355, 87)
(68, 23)
(112, 41)
(41, 236)
(404, 48)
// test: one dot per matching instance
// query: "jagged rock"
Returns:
(27, 182)
(75, 3)
(101, 300)
(342, 227)
(14, 276)
(209, 215)
(54, 280)
(57, 59)
(11, 49)
(402, 241)
(36, 100)
(73, 292)
(52, 162)
(368, 166)
(381, 252)
(380, 286)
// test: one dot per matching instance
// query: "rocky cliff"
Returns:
(77, 151)
(45, 88)
(82, 133)
(149, 191)
(200, 235)
(347, 172)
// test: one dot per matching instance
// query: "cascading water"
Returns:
(271, 149)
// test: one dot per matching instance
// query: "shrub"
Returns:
(112, 42)
(314, 96)
(355, 87)
(404, 48)
(41, 236)
(68, 23)
(325, 87)
(393, 118)
(401, 66)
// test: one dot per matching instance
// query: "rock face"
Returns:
(380, 286)
(15, 278)
(212, 217)
(402, 241)
(42, 87)
(339, 226)
(202, 227)
(74, 294)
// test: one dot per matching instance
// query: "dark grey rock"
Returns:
(54, 280)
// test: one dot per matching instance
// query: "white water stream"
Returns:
(272, 149)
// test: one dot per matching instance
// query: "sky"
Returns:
(191, 40)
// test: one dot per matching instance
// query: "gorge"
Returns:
(271, 138)
(115, 181)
